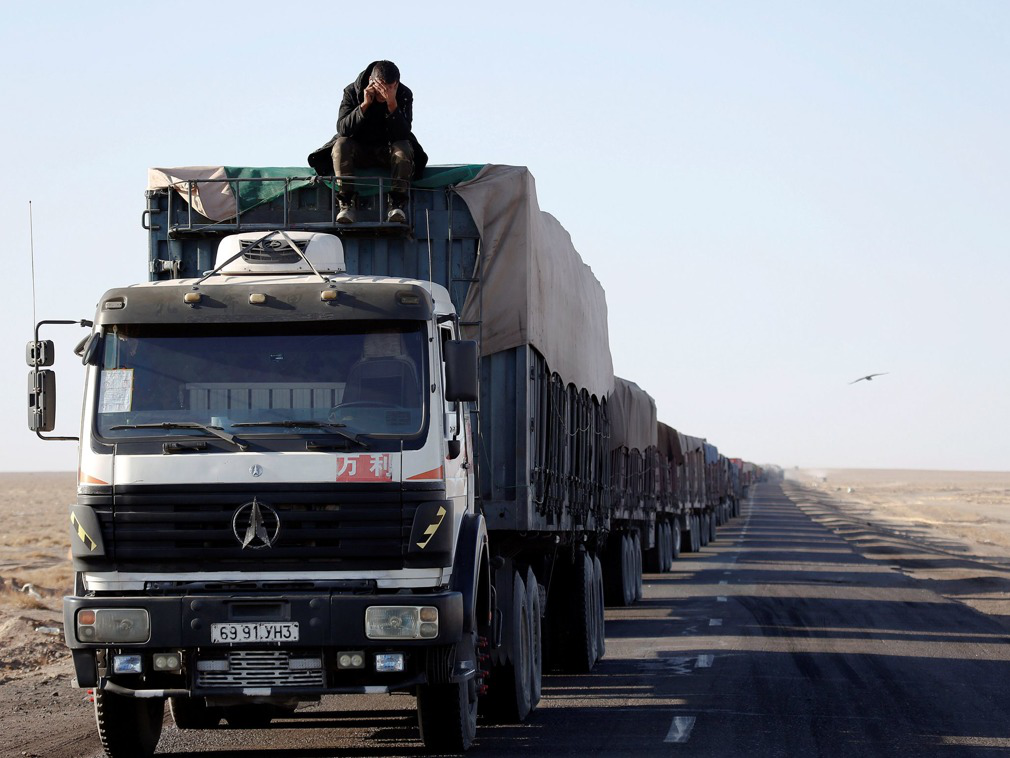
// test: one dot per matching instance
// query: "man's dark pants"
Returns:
(349, 154)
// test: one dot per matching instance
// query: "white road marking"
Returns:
(720, 599)
(715, 622)
(680, 729)
(704, 662)
(723, 581)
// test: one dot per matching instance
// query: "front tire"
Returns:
(447, 713)
(128, 727)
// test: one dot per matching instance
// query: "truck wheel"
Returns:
(652, 561)
(618, 582)
(703, 530)
(447, 713)
(696, 533)
(628, 555)
(193, 713)
(129, 727)
(536, 637)
(687, 537)
(675, 540)
(508, 696)
(582, 620)
(711, 530)
(601, 630)
(668, 548)
(665, 547)
(637, 573)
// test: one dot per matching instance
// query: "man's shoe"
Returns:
(346, 214)
(396, 202)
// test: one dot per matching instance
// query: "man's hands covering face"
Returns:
(384, 92)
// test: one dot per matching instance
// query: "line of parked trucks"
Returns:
(320, 458)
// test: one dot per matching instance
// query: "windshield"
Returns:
(331, 378)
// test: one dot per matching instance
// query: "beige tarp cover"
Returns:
(689, 444)
(632, 414)
(669, 444)
(536, 288)
(216, 201)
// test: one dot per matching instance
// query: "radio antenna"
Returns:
(31, 245)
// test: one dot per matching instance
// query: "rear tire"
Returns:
(193, 713)
(712, 529)
(675, 541)
(509, 699)
(653, 558)
(616, 575)
(696, 533)
(637, 566)
(582, 641)
(129, 727)
(628, 556)
(447, 713)
(703, 532)
(601, 628)
(667, 542)
(536, 637)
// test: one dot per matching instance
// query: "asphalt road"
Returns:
(778, 639)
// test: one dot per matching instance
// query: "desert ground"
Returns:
(948, 530)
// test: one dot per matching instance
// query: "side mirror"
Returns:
(90, 348)
(42, 400)
(40, 354)
(461, 361)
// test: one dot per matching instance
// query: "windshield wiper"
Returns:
(310, 424)
(215, 430)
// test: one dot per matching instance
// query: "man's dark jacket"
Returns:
(377, 126)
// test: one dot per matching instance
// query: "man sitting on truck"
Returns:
(373, 131)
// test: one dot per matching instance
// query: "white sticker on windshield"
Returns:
(116, 395)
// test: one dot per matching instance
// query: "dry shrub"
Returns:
(22, 600)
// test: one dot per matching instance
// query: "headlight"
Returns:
(113, 625)
(400, 622)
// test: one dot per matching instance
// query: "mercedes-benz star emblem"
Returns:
(256, 525)
(256, 470)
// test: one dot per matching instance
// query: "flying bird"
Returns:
(869, 377)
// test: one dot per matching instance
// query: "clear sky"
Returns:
(778, 197)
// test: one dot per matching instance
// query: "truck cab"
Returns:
(276, 495)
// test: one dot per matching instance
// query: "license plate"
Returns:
(257, 631)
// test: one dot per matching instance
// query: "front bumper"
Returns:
(327, 623)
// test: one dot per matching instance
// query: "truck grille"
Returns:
(158, 529)
(260, 668)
